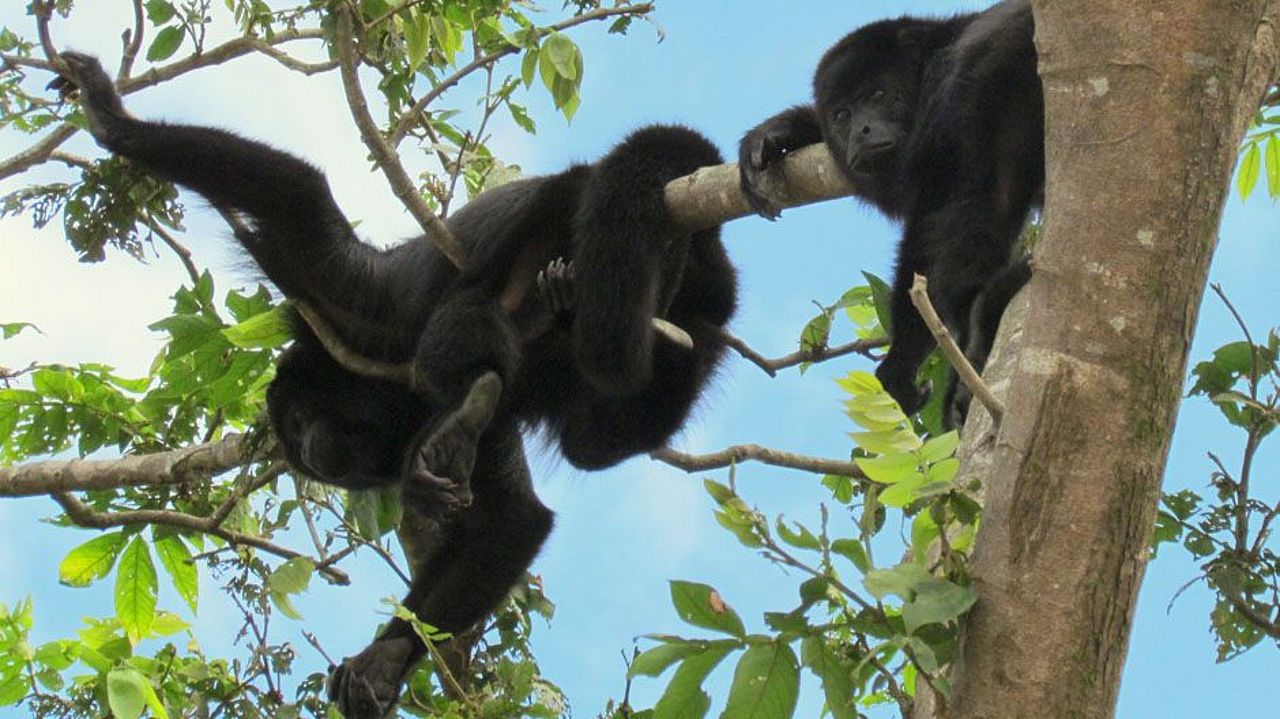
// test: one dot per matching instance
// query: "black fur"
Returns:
(938, 123)
(598, 381)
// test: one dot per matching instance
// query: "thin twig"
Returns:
(179, 249)
(83, 515)
(133, 42)
(754, 452)
(814, 355)
(1270, 627)
(955, 356)
(384, 154)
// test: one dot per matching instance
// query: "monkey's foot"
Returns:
(555, 286)
(439, 473)
(367, 686)
(83, 75)
(902, 387)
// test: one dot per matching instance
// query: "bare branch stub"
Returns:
(754, 452)
(955, 356)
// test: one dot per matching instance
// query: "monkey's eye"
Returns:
(843, 115)
(877, 96)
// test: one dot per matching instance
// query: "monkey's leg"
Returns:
(483, 552)
(438, 471)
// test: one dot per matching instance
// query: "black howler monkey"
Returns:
(938, 123)
(598, 381)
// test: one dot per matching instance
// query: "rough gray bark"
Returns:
(1146, 103)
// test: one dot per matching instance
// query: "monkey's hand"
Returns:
(760, 156)
(82, 75)
(438, 480)
(367, 686)
(555, 288)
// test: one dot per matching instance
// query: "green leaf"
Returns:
(417, 39)
(719, 492)
(266, 330)
(1250, 165)
(815, 335)
(853, 550)
(937, 601)
(1272, 157)
(136, 590)
(292, 577)
(160, 12)
(176, 559)
(882, 296)
(802, 538)
(836, 676)
(701, 606)
(765, 685)
(529, 66)
(165, 44)
(656, 660)
(940, 448)
(129, 692)
(11, 329)
(560, 52)
(900, 580)
(684, 698)
(90, 561)
(889, 468)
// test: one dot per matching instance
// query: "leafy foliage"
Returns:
(1229, 530)
(865, 645)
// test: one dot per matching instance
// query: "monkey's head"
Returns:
(866, 89)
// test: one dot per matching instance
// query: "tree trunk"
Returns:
(1146, 103)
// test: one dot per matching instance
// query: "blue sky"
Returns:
(620, 534)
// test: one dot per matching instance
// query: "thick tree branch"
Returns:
(138, 470)
(754, 452)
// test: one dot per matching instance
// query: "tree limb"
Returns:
(383, 154)
(85, 516)
(813, 355)
(754, 452)
(136, 470)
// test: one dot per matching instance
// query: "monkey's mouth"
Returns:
(867, 156)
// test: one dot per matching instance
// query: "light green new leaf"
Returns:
(128, 693)
(90, 561)
(701, 606)
(136, 590)
(765, 685)
(684, 698)
(176, 559)
(940, 448)
(560, 52)
(889, 468)
(264, 330)
(1272, 157)
(1250, 165)
(292, 577)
